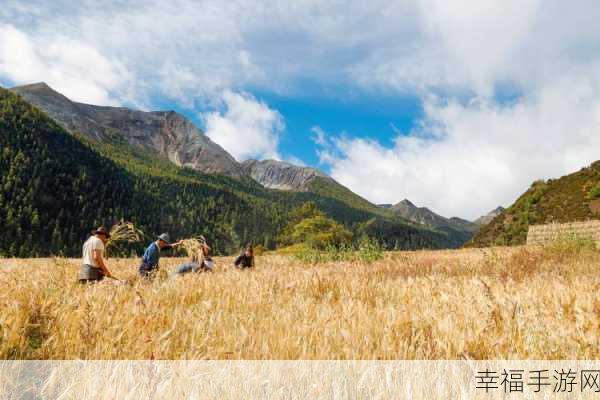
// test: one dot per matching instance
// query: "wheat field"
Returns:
(517, 303)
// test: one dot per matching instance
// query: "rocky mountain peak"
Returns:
(406, 203)
(38, 86)
(168, 133)
(486, 219)
(281, 175)
(424, 216)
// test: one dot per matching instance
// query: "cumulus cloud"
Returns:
(74, 67)
(455, 46)
(246, 128)
(319, 136)
(467, 158)
(192, 50)
(475, 147)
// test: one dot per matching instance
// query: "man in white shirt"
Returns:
(93, 268)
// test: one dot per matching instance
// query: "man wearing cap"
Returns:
(152, 254)
(93, 268)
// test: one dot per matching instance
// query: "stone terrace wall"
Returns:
(543, 234)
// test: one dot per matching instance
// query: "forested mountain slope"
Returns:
(56, 186)
(574, 197)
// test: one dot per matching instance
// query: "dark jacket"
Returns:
(244, 261)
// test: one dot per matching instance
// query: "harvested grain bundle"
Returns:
(191, 246)
(123, 232)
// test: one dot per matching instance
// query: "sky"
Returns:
(456, 105)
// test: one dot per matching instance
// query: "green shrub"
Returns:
(309, 255)
(538, 190)
(569, 246)
(367, 251)
(320, 232)
(594, 192)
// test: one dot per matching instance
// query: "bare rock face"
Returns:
(424, 216)
(167, 133)
(486, 219)
(419, 215)
(281, 175)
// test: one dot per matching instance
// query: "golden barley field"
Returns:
(517, 303)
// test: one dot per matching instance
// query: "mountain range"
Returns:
(425, 216)
(168, 134)
(69, 166)
(162, 171)
(453, 226)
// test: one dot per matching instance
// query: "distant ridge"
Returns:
(486, 219)
(424, 216)
(172, 136)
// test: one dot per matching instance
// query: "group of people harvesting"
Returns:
(94, 267)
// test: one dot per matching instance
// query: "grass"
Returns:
(367, 251)
(502, 303)
(568, 246)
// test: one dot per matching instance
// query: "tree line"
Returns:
(57, 186)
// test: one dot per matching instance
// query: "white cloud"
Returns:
(76, 69)
(193, 50)
(456, 45)
(319, 136)
(246, 128)
(465, 159)
(295, 160)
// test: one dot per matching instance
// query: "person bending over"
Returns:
(201, 261)
(93, 267)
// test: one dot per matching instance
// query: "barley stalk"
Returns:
(522, 303)
(192, 245)
(123, 232)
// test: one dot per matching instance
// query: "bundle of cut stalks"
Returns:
(192, 245)
(123, 232)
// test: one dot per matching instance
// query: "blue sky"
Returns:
(457, 106)
(364, 115)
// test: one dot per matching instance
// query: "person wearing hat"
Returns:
(93, 268)
(152, 254)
